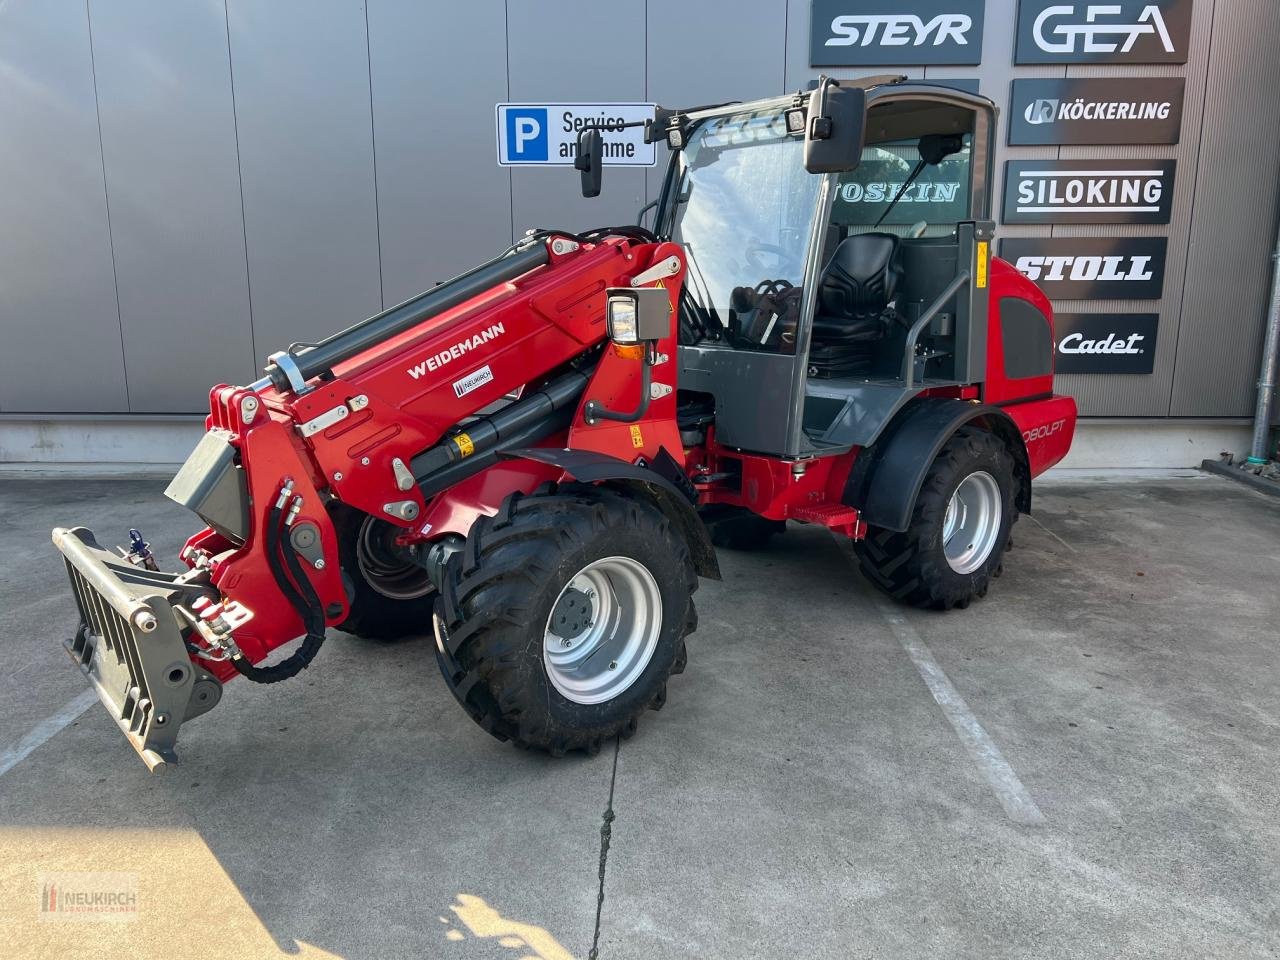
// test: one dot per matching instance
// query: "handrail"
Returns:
(909, 351)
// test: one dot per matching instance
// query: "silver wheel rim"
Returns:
(382, 565)
(618, 631)
(972, 523)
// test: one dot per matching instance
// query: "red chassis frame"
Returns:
(407, 397)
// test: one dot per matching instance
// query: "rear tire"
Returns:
(528, 572)
(954, 545)
(389, 597)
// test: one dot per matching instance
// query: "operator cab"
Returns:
(816, 305)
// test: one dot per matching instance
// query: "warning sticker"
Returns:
(463, 442)
(637, 438)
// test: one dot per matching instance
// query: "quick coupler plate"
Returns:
(129, 645)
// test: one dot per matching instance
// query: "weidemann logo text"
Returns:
(438, 360)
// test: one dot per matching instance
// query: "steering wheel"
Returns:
(917, 229)
(755, 249)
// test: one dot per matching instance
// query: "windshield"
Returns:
(744, 213)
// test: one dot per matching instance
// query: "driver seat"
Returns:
(857, 286)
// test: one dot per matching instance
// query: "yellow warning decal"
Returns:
(980, 276)
(637, 438)
(463, 442)
(670, 310)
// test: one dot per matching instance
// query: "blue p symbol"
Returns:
(527, 134)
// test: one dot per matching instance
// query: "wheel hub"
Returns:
(572, 614)
(602, 630)
(386, 566)
(972, 522)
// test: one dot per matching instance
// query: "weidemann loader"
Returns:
(535, 460)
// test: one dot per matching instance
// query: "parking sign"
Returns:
(546, 134)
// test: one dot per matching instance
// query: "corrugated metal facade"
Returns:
(188, 187)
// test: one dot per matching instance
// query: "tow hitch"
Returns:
(129, 642)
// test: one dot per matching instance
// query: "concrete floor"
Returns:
(802, 794)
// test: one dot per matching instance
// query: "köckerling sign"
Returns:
(1088, 191)
(1091, 268)
(902, 32)
(1105, 342)
(1118, 31)
(1096, 110)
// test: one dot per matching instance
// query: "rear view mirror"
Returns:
(936, 147)
(589, 158)
(833, 134)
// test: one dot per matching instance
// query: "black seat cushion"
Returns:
(858, 284)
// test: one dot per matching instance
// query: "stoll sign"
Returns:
(1088, 191)
(1096, 110)
(1090, 268)
(546, 134)
(1105, 342)
(900, 32)
(1118, 31)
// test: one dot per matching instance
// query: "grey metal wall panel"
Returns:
(169, 150)
(59, 322)
(1148, 395)
(574, 51)
(1233, 222)
(443, 204)
(300, 73)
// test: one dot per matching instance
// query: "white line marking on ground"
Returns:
(1009, 790)
(45, 731)
(1049, 532)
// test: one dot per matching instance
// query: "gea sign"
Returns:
(1088, 191)
(1090, 268)
(905, 32)
(1105, 342)
(1119, 31)
(1095, 110)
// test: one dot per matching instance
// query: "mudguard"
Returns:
(887, 476)
(659, 482)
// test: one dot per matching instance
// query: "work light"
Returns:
(636, 315)
(622, 319)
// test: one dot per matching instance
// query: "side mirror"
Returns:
(835, 128)
(589, 158)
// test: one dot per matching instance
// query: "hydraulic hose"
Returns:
(306, 603)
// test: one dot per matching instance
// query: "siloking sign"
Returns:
(1096, 110)
(1105, 342)
(546, 134)
(1088, 191)
(1090, 268)
(1117, 31)
(899, 32)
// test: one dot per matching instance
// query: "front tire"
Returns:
(954, 545)
(562, 619)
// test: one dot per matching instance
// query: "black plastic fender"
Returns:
(660, 482)
(887, 476)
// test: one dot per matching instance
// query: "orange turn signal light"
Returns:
(631, 351)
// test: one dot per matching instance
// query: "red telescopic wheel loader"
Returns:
(535, 460)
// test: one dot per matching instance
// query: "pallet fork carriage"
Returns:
(535, 461)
